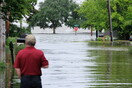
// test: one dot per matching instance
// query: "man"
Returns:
(28, 64)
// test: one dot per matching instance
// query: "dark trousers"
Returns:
(30, 82)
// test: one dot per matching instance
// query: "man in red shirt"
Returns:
(28, 64)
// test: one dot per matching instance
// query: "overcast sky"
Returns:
(37, 6)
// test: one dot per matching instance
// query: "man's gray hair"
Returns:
(30, 40)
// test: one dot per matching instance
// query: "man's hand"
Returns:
(46, 66)
(18, 71)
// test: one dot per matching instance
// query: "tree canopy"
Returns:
(96, 15)
(53, 13)
(122, 17)
(17, 9)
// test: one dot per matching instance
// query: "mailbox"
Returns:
(21, 40)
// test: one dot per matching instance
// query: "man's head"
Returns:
(30, 40)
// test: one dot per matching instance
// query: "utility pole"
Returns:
(110, 20)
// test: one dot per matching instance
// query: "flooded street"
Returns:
(75, 63)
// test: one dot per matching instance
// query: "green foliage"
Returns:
(2, 65)
(16, 46)
(53, 13)
(95, 13)
(75, 18)
(18, 8)
(9, 39)
(19, 47)
(16, 31)
(107, 38)
(99, 39)
(122, 17)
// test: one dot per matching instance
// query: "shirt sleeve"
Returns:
(17, 61)
(44, 61)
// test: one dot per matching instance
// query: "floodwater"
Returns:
(75, 63)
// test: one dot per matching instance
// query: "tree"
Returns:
(15, 10)
(53, 13)
(122, 18)
(95, 13)
(16, 31)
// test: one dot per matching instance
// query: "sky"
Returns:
(37, 6)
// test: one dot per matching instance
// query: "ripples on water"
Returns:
(65, 55)
(76, 64)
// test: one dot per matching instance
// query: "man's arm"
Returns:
(45, 63)
(18, 71)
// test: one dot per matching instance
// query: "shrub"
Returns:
(99, 39)
(107, 38)
(18, 48)
(9, 39)
(2, 65)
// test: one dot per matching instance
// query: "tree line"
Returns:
(55, 13)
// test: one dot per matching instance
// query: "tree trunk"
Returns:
(54, 32)
(2, 40)
(7, 24)
(96, 35)
(110, 20)
(91, 31)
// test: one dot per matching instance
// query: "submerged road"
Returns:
(75, 63)
(66, 54)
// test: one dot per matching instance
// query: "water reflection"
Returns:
(77, 64)
(112, 69)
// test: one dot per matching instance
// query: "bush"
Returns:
(2, 66)
(18, 48)
(107, 38)
(15, 46)
(9, 39)
(99, 39)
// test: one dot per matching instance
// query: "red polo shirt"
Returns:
(30, 60)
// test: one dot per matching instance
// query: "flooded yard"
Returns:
(75, 63)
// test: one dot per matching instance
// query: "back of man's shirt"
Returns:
(30, 61)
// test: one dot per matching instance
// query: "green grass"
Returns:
(108, 43)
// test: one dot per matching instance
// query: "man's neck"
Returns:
(29, 46)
